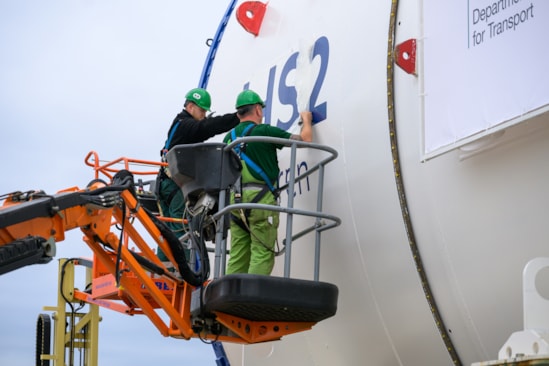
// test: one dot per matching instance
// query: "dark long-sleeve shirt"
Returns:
(190, 131)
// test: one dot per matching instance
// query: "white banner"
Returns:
(485, 63)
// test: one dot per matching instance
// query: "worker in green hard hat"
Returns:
(248, 97)
(190, 126)
(254, 232)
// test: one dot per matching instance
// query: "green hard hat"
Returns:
(248, 97)
(200, 97)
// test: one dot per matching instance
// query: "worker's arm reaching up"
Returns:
(306, 133)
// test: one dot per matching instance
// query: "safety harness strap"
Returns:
(162, 172)
(239, 149)
(237, 220)
(169, 140)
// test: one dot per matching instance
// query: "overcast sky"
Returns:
(83, 75)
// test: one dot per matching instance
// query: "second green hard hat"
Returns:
(248, 97)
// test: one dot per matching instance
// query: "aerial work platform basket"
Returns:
(210, 170)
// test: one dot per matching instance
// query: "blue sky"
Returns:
(77, 76)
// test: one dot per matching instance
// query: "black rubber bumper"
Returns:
(268, 298)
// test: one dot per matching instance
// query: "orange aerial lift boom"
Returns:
(120, 225)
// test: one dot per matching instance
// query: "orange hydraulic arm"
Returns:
(134, 281)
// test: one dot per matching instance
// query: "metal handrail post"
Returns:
(319, 197)
(220, 243)
(289, 217)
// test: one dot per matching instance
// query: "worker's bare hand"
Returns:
(306, 117)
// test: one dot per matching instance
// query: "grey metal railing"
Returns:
(322, 221)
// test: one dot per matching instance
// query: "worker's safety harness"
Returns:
(164, 172)
(240, 150)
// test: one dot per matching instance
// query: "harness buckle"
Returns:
(238, 190)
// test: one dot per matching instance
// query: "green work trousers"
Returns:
(172, 204)
(253, 252)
